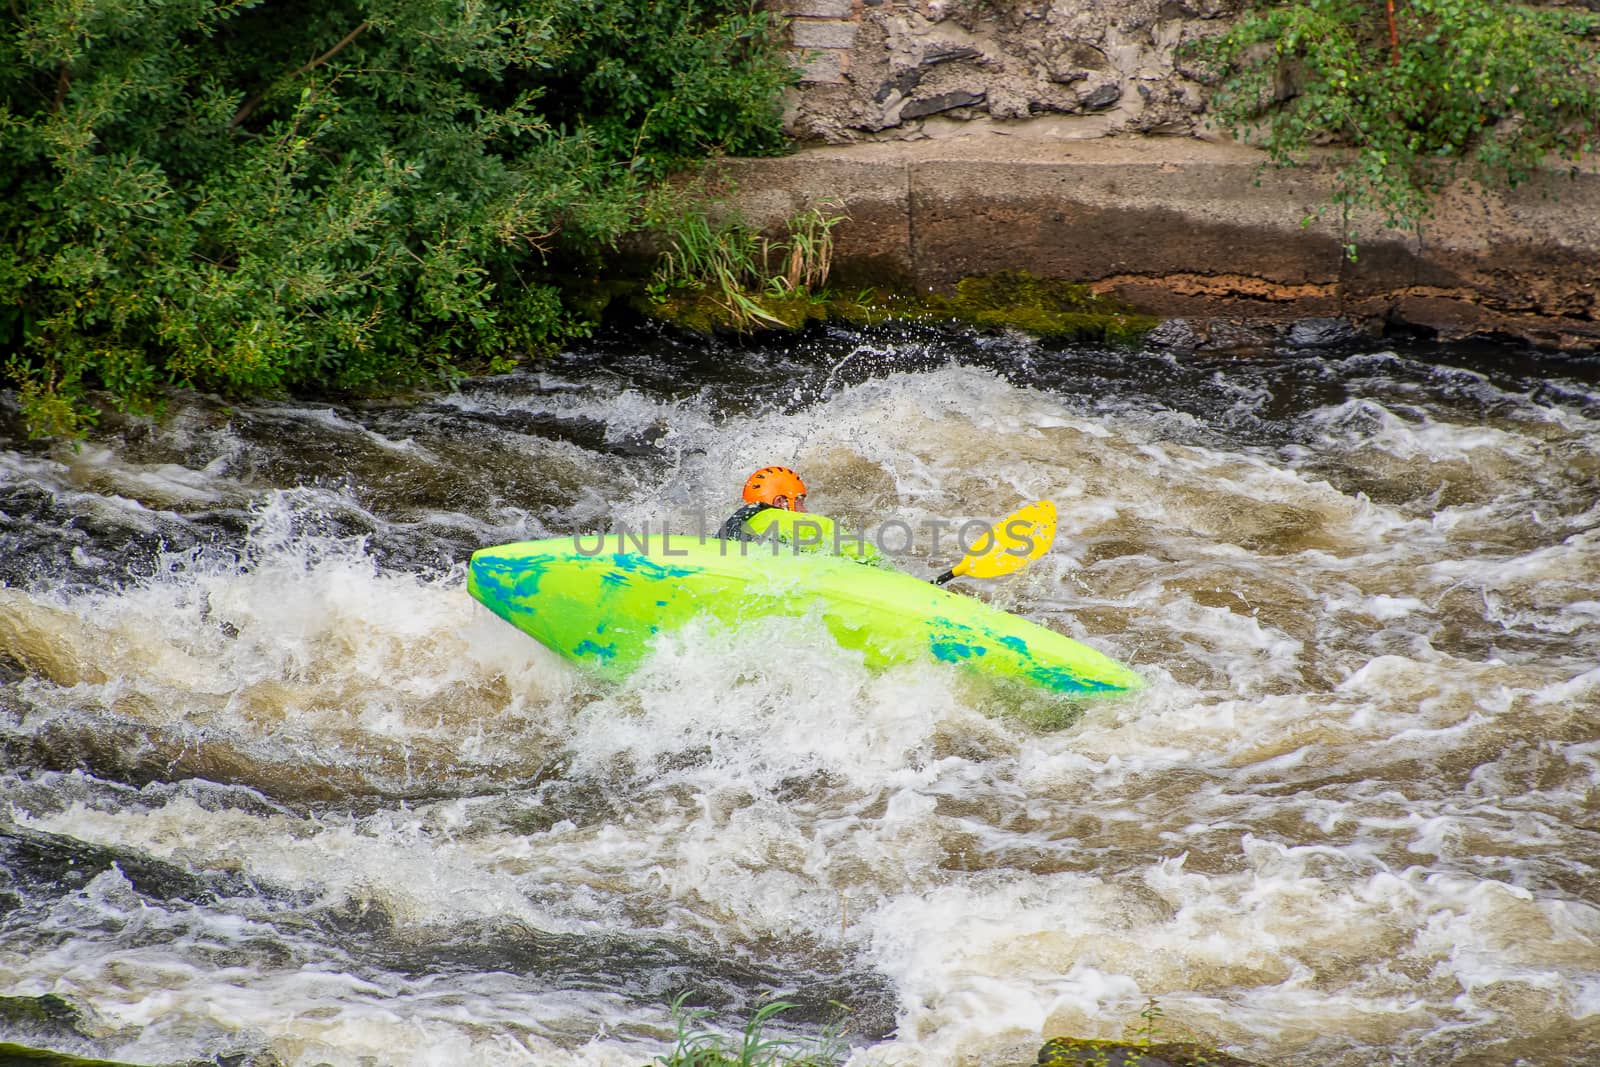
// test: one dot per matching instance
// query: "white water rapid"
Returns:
(269, 779)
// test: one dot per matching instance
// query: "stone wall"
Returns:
(1180, 227)
(973, 136)
(908, 69)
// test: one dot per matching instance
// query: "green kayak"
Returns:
(600, 603)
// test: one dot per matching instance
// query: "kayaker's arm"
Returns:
(734, 528)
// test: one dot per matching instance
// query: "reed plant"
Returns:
(736, 268)
(696, 1046)
(806, 256)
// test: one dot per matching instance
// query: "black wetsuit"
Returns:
(733, 529)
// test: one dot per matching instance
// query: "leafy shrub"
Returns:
(248, 195)
(1419, 89)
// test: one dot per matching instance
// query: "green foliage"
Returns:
(647, 80)
(1491, 90)
(1151, 1014)
(729, 275)
(249, 195)
(697, 1047)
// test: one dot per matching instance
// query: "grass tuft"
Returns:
(728, 276)
(698, 1047)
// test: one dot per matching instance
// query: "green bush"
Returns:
(1423, 90)
(249, 195)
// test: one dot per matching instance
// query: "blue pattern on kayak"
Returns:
(649, 568)
(508, 586)
(600, 652)
(956, 651)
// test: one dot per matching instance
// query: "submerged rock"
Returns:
(1180, 335)
(26, 1056)
(49, 1024)
(44, 1019)
(1322, 333)
(1245, 336)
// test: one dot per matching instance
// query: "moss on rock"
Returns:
(48, 1012)
(26, 1056)
(690, 310)
(1011, 300)
(1044, 307)
(13, 1055)
(1081, 1052)
(706, 311)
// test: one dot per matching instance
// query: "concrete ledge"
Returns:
(1183, 227)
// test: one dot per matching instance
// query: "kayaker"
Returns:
(773, 497)
(769, 487)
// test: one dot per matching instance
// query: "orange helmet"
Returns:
(766, 485)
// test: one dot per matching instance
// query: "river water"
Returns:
(270, 779)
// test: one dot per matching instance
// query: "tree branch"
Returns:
(256, 99)
(63, 83)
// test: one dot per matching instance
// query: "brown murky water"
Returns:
(269, 779)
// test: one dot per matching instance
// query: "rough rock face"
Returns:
(907, 69)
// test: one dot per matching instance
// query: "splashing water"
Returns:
(269, 779)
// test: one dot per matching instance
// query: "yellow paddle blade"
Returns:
(1014, 542)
